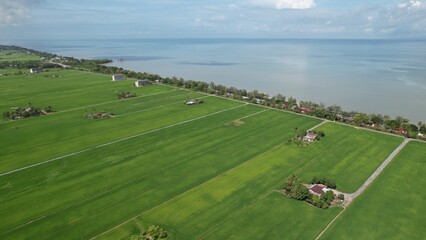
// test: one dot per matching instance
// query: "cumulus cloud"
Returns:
(410, 4)
(285, 4)
(13, 12)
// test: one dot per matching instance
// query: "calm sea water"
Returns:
(373, 76)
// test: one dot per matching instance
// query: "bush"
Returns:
(341, 197)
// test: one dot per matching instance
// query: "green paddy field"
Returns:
(158, 161)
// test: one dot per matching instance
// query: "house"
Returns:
(310, 137)
(141, 83)
(319, 189)
(36, 70)
(118, 77)
(305, 110)
(316, 190)
(401, 130)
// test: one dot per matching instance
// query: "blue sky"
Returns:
(80, 19)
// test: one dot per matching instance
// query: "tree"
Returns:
(361, 118)
(377, 119)
(154, 232)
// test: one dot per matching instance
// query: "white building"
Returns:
(36, 70)
(141, 83)
(118, 77)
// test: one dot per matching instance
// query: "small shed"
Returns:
(141, 83)
(118, 77)
(36, 70)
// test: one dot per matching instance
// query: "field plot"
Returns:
(207, 171)
(249, 191)
(9, 55)
(349, 156)
(393, 206)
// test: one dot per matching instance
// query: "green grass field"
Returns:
(158, 161)
(7, 55)
(393, 207)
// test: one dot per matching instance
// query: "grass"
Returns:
(393, 206)
(349, 156)
(249, 191)
(161, 162)
(7, 55)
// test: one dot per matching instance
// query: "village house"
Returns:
(305, 110)
(118, 77)
(310, 137)
(401, 130)
(36, 70)
(141, 83)
(319, 189)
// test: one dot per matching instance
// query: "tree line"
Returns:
(398, 125)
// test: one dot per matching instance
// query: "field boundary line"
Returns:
(120, 140)
(329, 224)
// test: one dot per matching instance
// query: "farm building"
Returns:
(319, 189)
(310, 137)
(118, 77)
(141, 83)
(36, 70)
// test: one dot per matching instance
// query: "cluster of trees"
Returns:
(300, 134)
(153, 232)
(45, 55)
(323, 201)
(84, 64)
(295, 189)
(93, 114)
(327, 182)
(30, 111)
(124, 95)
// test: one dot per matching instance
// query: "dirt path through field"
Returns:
(349, 197)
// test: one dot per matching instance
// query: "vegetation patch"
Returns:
(153, 232)
(30, 111)
(301, 137)
(194, 101)
(317, 195)
(94, 114)
(235, 123)
(327, 182)
(125, 95)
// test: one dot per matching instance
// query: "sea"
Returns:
(374, 76)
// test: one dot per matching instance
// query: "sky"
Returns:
(93, 19)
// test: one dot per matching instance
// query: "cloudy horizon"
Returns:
(40, 19)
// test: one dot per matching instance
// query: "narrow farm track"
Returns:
(117, 141)
(349, 197)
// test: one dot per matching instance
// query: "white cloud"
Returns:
(13, 12)
(411, 4)
(285, 4)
